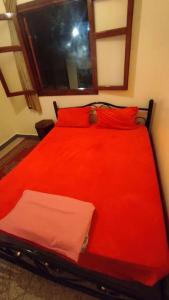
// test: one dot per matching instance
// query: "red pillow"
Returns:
(73, 117)
(120, 118)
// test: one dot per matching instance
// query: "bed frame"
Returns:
(57, 269)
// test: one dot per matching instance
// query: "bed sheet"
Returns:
(115, 170)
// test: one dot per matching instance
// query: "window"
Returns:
(61, 43)
(59, 47)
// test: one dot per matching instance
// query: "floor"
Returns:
(14, 153)
(19, 284)
(10, 146)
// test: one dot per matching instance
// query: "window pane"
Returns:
(110, 65)
(110, 14)
(5, 39)
(12, 78)
(60, 38)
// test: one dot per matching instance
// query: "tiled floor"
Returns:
(18, 284)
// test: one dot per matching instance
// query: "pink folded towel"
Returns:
(55, 222)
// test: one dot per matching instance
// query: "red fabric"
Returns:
(117, 118)
(73, 117)
(113, 169)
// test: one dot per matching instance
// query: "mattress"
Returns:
(115, 170)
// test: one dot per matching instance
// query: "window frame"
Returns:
(13, 49)
(127, 31)
(22, 9)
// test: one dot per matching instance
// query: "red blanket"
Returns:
(113, 169)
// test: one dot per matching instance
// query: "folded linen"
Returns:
(55, 222)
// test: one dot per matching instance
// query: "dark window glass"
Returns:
(60, 42)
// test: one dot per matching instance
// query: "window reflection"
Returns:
(60, 38)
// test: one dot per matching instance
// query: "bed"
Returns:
(127, 254)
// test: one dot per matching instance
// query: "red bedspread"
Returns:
(113, 169)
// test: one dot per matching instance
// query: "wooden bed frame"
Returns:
(57, 269)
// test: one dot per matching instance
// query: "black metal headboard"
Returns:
(149, 109)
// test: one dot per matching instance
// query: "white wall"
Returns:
(7, 118)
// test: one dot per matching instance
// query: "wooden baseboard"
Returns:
(33, 136)
(14, 137)
(5, 144)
